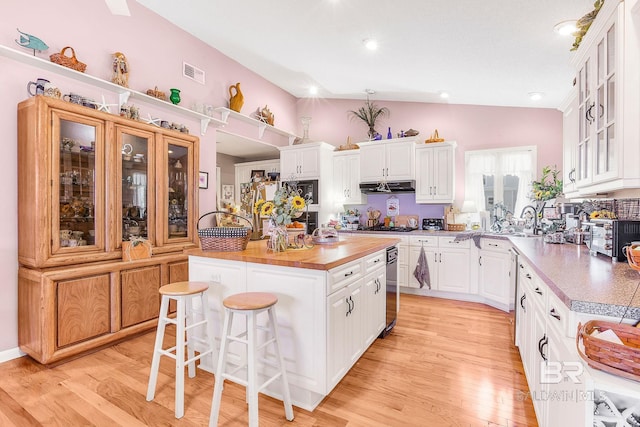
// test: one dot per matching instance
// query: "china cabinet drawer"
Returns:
(344, 275)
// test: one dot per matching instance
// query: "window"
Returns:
(500, 177)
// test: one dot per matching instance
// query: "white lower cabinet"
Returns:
(326, 319)
(448, 262)
(375, 301)
(560, 387)
(494, 264)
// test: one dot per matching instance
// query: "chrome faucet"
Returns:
(535, 216)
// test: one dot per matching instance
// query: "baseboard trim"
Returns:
(11, 354)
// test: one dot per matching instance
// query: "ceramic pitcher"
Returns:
(235, 100)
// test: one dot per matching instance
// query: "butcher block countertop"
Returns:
(320, 257)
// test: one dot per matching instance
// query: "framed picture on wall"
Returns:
(203, 180)
(227, 192)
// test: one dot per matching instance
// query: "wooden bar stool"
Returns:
(185, 320)
(250, 304)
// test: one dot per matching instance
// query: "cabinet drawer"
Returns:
(533, 286)
(450, 242)
(344, 275)
(431, 241)
(557, 313)
(495, 245)
(375, 261)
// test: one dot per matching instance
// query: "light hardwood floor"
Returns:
(446, 363)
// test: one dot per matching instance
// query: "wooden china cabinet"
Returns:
(87, 181)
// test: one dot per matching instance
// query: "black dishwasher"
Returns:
(392, 290)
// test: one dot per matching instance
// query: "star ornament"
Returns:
(104, 106)
(153, 121)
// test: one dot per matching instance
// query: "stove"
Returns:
(383, 228)
(433, 224)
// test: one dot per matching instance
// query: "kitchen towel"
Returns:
(421, 273)
(475, 235)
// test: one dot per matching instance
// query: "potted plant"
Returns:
(369, 113)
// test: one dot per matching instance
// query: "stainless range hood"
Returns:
(388, 187)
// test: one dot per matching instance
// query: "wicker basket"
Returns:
(157, 93)
(68, 61)
(224, 239)
(616, 359)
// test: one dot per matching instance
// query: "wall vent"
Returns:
(193, 73)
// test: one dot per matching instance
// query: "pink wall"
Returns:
(155, 50)
(473, 127)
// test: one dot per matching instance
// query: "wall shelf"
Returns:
(225, 113)
(124, 93)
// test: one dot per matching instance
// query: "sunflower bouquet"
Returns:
(286, 205)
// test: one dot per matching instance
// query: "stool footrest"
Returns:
(200, 323)
(266, 343)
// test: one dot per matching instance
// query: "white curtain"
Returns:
(476, 165)
(520, 164)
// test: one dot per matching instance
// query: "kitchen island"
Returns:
(331, 306)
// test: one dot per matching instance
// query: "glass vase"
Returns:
(175, 96)
(278, 239)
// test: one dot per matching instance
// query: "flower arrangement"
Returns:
(548, 187)
(286, 205)
(369, 114)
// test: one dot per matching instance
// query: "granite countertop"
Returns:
(585, 283)
(320, 257)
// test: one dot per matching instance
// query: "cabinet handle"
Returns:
(493, 244)
(538, 291)
(353, 304)
(572, 175)
(543, 341)
(348, 274)
(349, 307)
(554, 313)
(440, 257)
(588, 114)
(522, 298)
(377, 261)
(480, 260)
(387, 171)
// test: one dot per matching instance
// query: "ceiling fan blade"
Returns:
(118, 7)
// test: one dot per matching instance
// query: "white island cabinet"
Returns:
(326, 316)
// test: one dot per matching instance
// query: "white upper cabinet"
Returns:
(346, 178)
(435, 172)
(307, 161)
(387, 160)
(569, 142)
(606, 128)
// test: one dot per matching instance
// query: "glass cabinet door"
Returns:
(180, 193)
(78, 186)
(605, 124)
(135, 152)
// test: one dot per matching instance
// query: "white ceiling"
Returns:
(482, 52)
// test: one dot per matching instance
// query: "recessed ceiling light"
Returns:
(444, 95)
(313, 90)
(566, 28)
(536, 96)
(370, 44)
